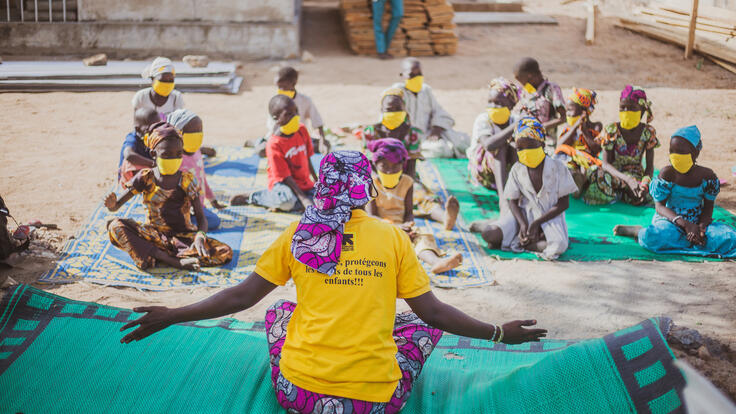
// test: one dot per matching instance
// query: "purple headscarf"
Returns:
(638, 95)
(344, 183)
(390, 149)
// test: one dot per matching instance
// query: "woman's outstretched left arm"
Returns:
(450, 319)
(234, 299)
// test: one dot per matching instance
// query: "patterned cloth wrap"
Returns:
(585, 98)
(159, 132)
(638, 95)
(414, 339)
(344, 183)
(390, 149)
(508, 89)
(530, 127)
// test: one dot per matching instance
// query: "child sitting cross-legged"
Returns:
(537, 192)
(168, 236)
(394, 203)
(684, 195)
(291, 175)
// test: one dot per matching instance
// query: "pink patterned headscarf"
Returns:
(638, 95)
(344, 183)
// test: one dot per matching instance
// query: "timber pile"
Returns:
(715, 29)
(426, 29)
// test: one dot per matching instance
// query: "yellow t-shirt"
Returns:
(339, 340)
(391, 202)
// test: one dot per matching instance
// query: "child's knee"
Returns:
(493, 235)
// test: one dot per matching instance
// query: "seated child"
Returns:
(577, 145)
(134, 155)
(684, 195)
(622, 175)
(491, 154)
(286, 80)
(438, 139)
(540, 98)
(537, 191)
(190, 126)
(168, 236)
(394, 203)
(395, 123)
(291, 175)
(161, 95)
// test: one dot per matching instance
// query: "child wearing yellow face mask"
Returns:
(537, 192)
(161, 95)
(540, 98)
(190, 126)
(395, 203)
(684, 194)
(626, 145)
(168, 236)
(395, 123)
(491, 153)
(291, 175)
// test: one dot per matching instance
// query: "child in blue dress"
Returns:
(684, 195)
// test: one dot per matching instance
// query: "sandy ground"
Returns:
(60, 151)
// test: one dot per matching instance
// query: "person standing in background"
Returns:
(383, 38)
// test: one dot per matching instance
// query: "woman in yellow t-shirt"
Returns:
(343, 346)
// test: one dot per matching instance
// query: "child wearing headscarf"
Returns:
(395, 204)
(395, 123)
(342, 346)
(626, 145)
(537, 192)
(684, 194)
(169, 195)
(491, 153)
(191, 129)
(161, 95)
(577, 145)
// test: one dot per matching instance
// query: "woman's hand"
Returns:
(515, 333)
(200, 244)
(155, 319)
(111, 202)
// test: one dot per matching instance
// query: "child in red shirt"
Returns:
(291, 176)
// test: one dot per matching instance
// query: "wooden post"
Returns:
(590, 26)
(691, 33)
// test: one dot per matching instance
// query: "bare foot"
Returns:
(478, 226)
(240, 199)
(452, 207)
(208, 151)
(448, 263)
(189, 263)
(627, 231)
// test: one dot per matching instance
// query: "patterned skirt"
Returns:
(479, 166)
(604, 188)
(415, 341)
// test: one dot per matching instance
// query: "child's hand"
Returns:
(200, 244)
(643, 188)
(633, 185)
(216, 204)
(523, 236)
(155, 319)
(515, 333)
(534, 232)
(111, 202)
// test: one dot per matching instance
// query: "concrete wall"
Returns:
(188, 10)
(122, 39)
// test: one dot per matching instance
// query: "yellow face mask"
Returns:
(163, 88)
(392, 120)
(531, 157)
(168, 166)
(571, 120)
(681, 162)
(389, 180)
(192, 141)
(290, 94)
(530, 88)
(290, 127)
(145, 140)
(499, 116)
(415, 84)
(629, 119)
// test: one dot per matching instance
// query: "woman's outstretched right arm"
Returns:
(234, 299)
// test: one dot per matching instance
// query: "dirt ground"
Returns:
(60, 152)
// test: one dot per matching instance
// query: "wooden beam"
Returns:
(691, 31)
(729, 67)
(591, 23)
(470, 6)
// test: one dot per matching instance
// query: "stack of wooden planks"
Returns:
(426, 29)
(715, 29)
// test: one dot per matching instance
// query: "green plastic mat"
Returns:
(590, 228)
(64, 356)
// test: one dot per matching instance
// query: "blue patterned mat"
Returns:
(248, 230)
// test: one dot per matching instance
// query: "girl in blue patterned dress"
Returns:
(684, 194)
